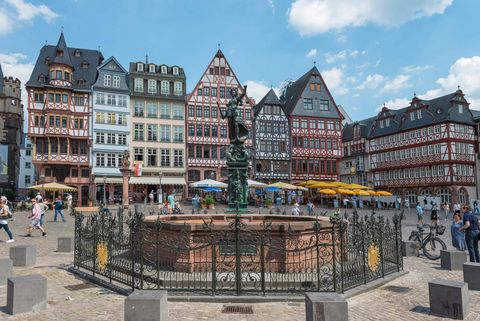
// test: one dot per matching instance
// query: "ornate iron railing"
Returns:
(239, 258)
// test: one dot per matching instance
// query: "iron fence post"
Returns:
(317, 245)
(397, 223)
(214, 267)
(238, 262)
(342, 251)
(334, 259)
(262, 266)
(380, 237)
(362, 228)
(95, 245)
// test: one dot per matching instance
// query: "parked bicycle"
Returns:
(429, 242)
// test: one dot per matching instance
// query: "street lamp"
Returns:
(104, 191)
(42, 179)
(160, 192)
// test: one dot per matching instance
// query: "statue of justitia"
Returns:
(237, 129)
(126, 159)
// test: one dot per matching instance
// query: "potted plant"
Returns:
(269, 203)
(209, 202)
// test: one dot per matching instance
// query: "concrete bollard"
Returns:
(325, 306)
(65, 244)
(5, 270)
(146, 305)
(410, 248)
(471, 275)
(452, 259)
(23, 255)
(448, 298)
(26, 293)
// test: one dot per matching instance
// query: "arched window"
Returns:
(411, 195)
(462, 196)
(210, 175)
(445, 195)
(426, 192)
(193, 175)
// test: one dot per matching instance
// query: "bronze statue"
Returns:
(237, 129)
(126, 159)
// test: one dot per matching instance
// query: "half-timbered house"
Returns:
(316, 128)
(207, 139)
(271, 140)
(426, 149)
(59, 115)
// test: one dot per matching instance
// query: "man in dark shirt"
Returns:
(470, 226)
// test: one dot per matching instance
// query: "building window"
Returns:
(39, 98)
(138, 154)
(100, 160)
(460, 109)
(139, 67)
(138, 132)
(177, 88)
(419, 114)
(111, 118)
(152, 109)
(111, 139)
(100, 98)
(206, 111)
(122, 101)
(111, 100)
(193, 175)
(100, 118)
(222, 92)
(214, 92)
(151, 157)
(199, 130)
(111, 160)
(175, 71)
(122, 119)
(138, 84)
(27, 179)
(116, 81)
(79, 101)
(122, 139)
(199, 91)
(165, 87)
(387, 122)
(324, 105)
(165, 133)
(191, 111)
(165, 111)
(165, 157)
(307, 103)
(177, 111)
(152, 133)
(152, 86)
(28, 165)
(178, 134)
(151, 68)
(412, 115)
(139, 108)
(107, 80)
(163, 69)
(191, 130)
(178, 158)
(223, 132)
(206, 91)
(199, 111)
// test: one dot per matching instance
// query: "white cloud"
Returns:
(372, 82)
(334, 78)
(5, 23)
(415, 69)
(341, 38)
(258, 89)
(396, 84)
(272, 5)
(341, 55)
(310, 17)
(396, 103)
(311, 54)
(26, 11)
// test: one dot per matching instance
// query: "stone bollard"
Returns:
(5, 270)
(452, 259)
(471, 275)
(23, 255)
(410, 248)
(65, 244)
(448, 298)
(146, 305)
(324, 306)
(26, 293)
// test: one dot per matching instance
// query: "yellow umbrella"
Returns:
(384, 193)
(283, 185)
(359, 192)
(322, 185)
(327, 191)
(339, 184)
(345, 191)
(354, 186)
(372, 193)
(53, 187)
(308, 183)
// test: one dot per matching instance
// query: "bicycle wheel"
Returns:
(432, 248)
(414, 237)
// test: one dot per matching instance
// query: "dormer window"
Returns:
(387, 122)
(163, 69)
(151, 68)
(47, 60)
(381, 123)
(81, 82)
(84, 64)
(412, 115)
(42, 78)
(107, 80)
(175, 70)
(460, 109)
(59, 53)
(139, 67)
(77, 53)
(419, 114)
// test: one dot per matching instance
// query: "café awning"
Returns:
(155, 180)
(108, 180)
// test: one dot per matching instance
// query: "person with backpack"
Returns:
(434, 216)
(310, 207)
(5, 215)
(420, 214)
(35, 217)
(58, 208)
(471, 228)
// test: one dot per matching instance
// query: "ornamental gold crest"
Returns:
(373, 257)
(102, 256)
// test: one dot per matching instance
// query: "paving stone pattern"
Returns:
(405, 298)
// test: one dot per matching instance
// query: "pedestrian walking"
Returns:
(43, 210)
(434, 216)
(69, 203)
(471, 228)
(407, 203)
(296, 209)
(456, 207)
(35, 219)
(151, 196)
(420, 213)
(458, 236)
(446, 210)
(5, 215)
(310, 207)
(58, 208)
(399, 202)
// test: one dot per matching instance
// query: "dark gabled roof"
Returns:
(295, 90)
(219, 54)
(90, 58)
(1, 80)
(112, 58)
(65, 57)
(475, 114)
(365, 125)
(434, 111)
(133, 70)
(270, 98)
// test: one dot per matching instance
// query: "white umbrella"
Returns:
(208, 183)
(255, 184)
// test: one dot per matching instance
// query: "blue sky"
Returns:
(379, 52)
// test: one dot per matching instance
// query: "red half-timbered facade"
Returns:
(207, 139)
(59, 115)
(316, 128)
(426, 149)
